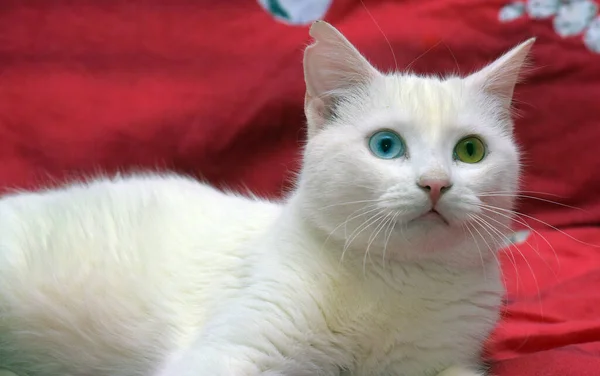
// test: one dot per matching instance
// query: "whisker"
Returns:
(544, 223)
(532, 198)
(371, 208)
(502, 236)
(485, 226)
(528, 192)
(382, 33)
(499, 244)
(348, 203)
(478, 249)
(536, 250)
(391, 229)
(526, 225)
(421, 55)
(366, 224)
(372, 238)
(481, 222)
(487, 244)
(533, 275)
(454, 58)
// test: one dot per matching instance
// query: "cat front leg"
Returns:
(251, 336)
(199, 360)
(461, 371)
(233, 361)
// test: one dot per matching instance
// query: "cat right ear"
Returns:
(500, 77)
(332, 65)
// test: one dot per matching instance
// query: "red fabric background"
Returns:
(551, 324)
(215, 89)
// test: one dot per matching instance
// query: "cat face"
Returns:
(409, 166)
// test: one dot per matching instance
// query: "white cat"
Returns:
(380, 263)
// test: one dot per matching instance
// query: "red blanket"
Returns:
(551, 325)
(215, 89)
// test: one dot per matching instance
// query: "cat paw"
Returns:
(460, 371)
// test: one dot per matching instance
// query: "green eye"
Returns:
(469, 150)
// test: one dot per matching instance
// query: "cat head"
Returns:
(410, 166)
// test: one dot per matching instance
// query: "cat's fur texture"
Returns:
(163, 275)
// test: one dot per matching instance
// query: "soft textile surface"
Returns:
(551, 324)
(215, 89)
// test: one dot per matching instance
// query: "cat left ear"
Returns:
(332, 65)
(500, 77)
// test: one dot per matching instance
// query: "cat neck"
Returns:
(357, 284)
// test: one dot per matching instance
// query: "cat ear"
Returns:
(332, 65)
(500, 77)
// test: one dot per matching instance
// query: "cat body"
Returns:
(380, 262)
(89, 295)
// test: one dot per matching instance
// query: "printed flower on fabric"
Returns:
(296, 12)
(542, 8)
(573, 17)
(569, 17)
(518, 237)
(591, 38)
(511, 11)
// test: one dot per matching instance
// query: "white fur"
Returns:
(164, 275)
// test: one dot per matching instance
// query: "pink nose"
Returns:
(435, 188)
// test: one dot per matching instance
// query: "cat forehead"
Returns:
(426, 102)
(430, 98)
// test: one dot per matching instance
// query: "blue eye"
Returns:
(386, 145)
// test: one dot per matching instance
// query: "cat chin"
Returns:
(428, 234)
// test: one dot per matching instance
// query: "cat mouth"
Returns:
(433, 215)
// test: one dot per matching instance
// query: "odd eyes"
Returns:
(386, 145)
(389, 145)
(469, 150)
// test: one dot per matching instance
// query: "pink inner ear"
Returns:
(332, 63)
(500, 77)
(315, 110)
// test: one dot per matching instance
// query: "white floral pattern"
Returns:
(296, 12)
(569, 17)
(572, 18)
(518, 237)
(591, 38)
(512, 11)
(541, 9)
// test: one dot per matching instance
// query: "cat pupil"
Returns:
(470, 148)
(386, 145)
